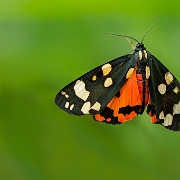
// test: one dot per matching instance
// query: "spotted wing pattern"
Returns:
(125, 105)
(164, 107)
(121, 89)
(90, 93)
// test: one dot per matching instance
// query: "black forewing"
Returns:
(163, 102)
(98, 93)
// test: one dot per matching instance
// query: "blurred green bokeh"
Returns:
(44, 45)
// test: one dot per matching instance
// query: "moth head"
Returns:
(140, 47)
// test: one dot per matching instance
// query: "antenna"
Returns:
(122, 36)
(149, 30)
(131, 45)
(132, 37)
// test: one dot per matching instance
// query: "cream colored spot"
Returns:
(162, 88)
(168, 120)
(129, 73)
(161, 115)
(106, 69)
(145, 54)
(94, 78)
(108, 82)
(169, 77)
(140, 55)
(86, 107)
(176, 90)
(85, 95)
(147, 72)
(67, 105)
(96, 106)
(80, 90)
(64, 93)
(176, 108)
(79, 85)
(71, 107)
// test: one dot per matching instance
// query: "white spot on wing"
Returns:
(64, 93)
(80, 91)
(79, 86)
(106, 69)
(161, 115)
(129, 73)
(71, 107)
(86, 107)
(96, 106)
(176, 108)
(176, 90)
(147, 72)
(162, 88)
(108, 82)
(145, 54)
(67, 105)
(169, 77)
(140, 55)
(168, 120)
(85, 95)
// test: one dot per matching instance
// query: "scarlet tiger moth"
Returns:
(119, 90)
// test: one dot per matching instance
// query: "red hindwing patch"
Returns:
(129, 96)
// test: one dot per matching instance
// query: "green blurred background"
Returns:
(44, 45)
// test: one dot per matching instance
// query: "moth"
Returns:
(121, 89)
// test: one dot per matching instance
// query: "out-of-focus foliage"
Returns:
(44, 45)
